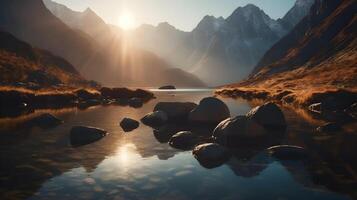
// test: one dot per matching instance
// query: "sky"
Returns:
(183, 14)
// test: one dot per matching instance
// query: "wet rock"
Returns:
(183, 140)
(288, 152)
(231, 131)
(135, 102)
(128, 124)
(333, 100)
(209, 110)
(88, 103)
(176, 110)
(82, 135)
(268, 115)
(329, 128)
(211, 155)
(84, 94)
(167, 87)
(125, 93)
(46, 121)
(155, 119)
(121, 101)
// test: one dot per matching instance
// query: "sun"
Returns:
(127, 21)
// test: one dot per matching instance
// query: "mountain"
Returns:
(21, 63)
(221, 50)
(319, 54)
(116, 63)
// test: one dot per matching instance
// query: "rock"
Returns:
(88, 103)
(211, 155)
(183, 140)
(287, 152)
(316, 107)
(125, 93)
(82, 135)
(135, 102)
(128, 124)
(209, 110)
(231, 131)
(176, 110)
(155, 119)
(329, 128)
(46, 121)
(84, 94)
(268, 115)
(167, 87)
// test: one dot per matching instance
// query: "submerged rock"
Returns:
(82, 135)
(167, 87)
(287, 152)
(329, 128)
(268, 115)
(46, 121)
(155, 119)
(183, 140)
(135, 102)
(176, 110)
(209, 110)
(128, 124)
(232, 130)
(211, 155)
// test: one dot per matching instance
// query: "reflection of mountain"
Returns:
(19, 62)
(221, 50)
(117, 63)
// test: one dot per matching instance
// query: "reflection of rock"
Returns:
(288, 152)
(135, 102)
(46, 121)
(176, 110)
(155, 119)
(167, 87)
(211, 155)
(268, 115)
(209, 110)
(183, 140)
(82, 135)
(128, 124)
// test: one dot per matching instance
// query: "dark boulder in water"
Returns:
(288, 152)
(135, 102)
(183, 140)
(46, 121)
(211, 155)
(125, 93)
(82, 135)
(167, 87)
(176, 110)
(155, 119)
(128, 124)
(209, 110)
(268, 115)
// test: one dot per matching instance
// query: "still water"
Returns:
(40, 164)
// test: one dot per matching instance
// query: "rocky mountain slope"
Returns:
(118, 63)
(221, 50)
(22, 64)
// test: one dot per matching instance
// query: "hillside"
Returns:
(319, 55)
(20, 63)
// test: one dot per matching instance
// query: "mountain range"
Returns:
(319, 54)
(114, 63)
(221, 50)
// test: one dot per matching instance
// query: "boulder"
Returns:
(135, 102)
(128, 124)
(211, 155)
(155, 119)
(209, 110)
(176, 110)
(46, 121)
(125, 93)
(183, 140)
(82, 135)
(287, 152)
(231, 131)
(329, 128)
(85, 94)
(167, 87)
(268, 115)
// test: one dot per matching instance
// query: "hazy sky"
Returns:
(183, 14)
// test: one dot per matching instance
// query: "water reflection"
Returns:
(40, 164)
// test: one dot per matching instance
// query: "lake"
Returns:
(40, 163)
